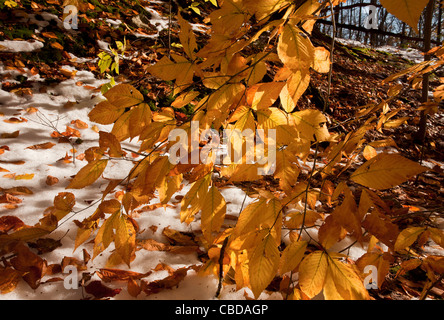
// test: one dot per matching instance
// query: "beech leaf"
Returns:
(386, 171)
(88, 174)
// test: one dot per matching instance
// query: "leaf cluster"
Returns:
(257, 90)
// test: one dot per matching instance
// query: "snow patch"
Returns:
(20, 45)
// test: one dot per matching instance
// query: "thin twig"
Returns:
(221, 266)
(169, 29)
(307, 188)
(332, 48)
(45, 121)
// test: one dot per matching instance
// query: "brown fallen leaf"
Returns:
(46, 145)
(178, 238)
(50, 35)
(30, 264)
(8, 223)
(9, 279)
(16, 162)
(52, 269)
(71, 261)
(45, 245)
(133, 288)
(109, 274)
(95, 128)
(153, 245)
(163, 266)
(80, 156)
(89, 87)
(71, 132)
(68, 73)
(169, 282)
(34, 71)
(66, 159)
(3, 149)
(31, 110)
(10, 206)
(15, 120)
(7, 198)
(50, 180)
(99, 291)
(56, 45)
(17, 190)
(79, 124)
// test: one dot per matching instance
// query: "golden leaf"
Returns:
(105, 234)
(381, 261)
(295, 50)
(293, 89)
(125, 239)
(109, 141)
(309, 123)
(408, 11)
(287, 170)
(369, 152)
(194, 199)
(187, 38)
(343, 282)
(312, 273)
(264, 9)
(263, 263)
(321, 60)
(407, 237)
(88, 174)
(292, 256)
(213, 212)
(106, 113)
(124, 96)
(386, 171)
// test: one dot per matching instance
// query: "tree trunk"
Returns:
(337, 11)
(422, 130)
(358, 36)
(438, 31)
(373, 35)
(404, 25)
(382, 26)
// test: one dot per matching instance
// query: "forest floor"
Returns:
(50, 80)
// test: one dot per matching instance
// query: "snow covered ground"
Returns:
(411, 54)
